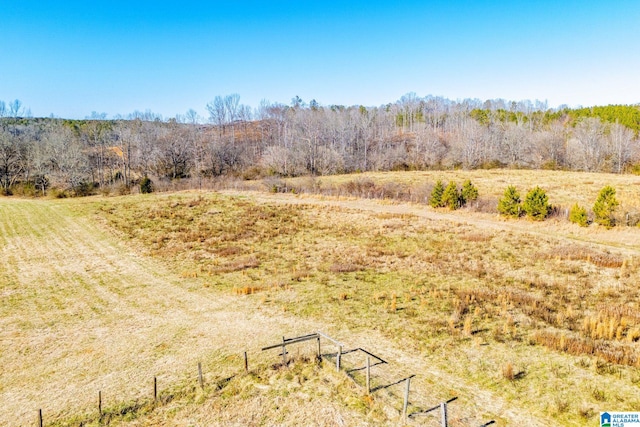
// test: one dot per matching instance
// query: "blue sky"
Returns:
(70, 58)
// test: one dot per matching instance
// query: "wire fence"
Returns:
(386, 381)
(404, 393)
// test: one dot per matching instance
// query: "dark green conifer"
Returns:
(509, 204)
(436, 195)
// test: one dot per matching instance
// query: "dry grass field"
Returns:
(527, 323)
(563, 187)
(83, 311)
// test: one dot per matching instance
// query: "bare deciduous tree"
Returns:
(12, 160)
(588, 147)
(620, 147)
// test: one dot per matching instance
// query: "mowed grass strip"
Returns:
(81, 312)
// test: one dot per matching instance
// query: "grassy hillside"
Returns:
(529, 323)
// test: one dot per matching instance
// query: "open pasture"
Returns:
(526, 323)
(563, 187)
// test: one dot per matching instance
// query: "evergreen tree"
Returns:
(451, 197)
(509, 205)
(605, 207)
(146, 185)
(469, 193)
(436, 195)
(578, 215)
(536, 204)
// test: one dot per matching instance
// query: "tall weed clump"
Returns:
(509, 204)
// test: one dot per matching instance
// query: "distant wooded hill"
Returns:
(79, 156)
(626, 115)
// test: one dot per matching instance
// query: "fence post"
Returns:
(155, 389)
(406, 400)
(246, 362)
(39, 417)
(284, 353)
(443, 409)
(100, 403)
(368, 374)
(338, 357)
(200, 379)
(319, 353)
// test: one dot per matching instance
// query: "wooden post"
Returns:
(40, 417)
(338, 357)
(406, 400)
(246, 362)
(368, 374)
(443, 409)
(319, 353)
(155, 389)
(100, 403)
(200, 379)
(284, 353)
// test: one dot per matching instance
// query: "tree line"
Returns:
(79, 156)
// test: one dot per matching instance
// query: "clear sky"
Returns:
(69, 58)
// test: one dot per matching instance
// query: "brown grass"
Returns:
(508, 372)
(236, 265)
(616, 353)
(575, 253)
(453, 296)
(247, 290)
(476, 237)
(563, 188)
(344, 268)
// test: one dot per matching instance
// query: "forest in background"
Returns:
(79, 157)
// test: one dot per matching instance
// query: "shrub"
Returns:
(469, 193)
(509, 204)
(436, 195)
(253, 173)
(451, 197)
(124, 189)
(605, 207)
(578, 215)
(84, 189)
(146, 185)
(25, 189)
(550, 165)
(59, 193)
(536, 204)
